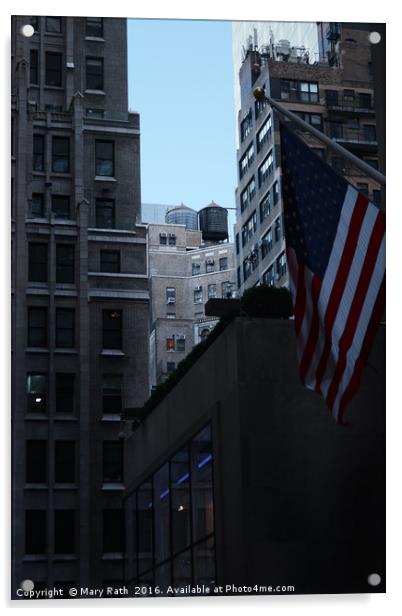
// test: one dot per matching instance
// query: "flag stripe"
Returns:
(314, 328)
(356, 307)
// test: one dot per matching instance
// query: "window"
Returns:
(268, 277)
(363, 188)
(65, 334)
(195, 269)
(281, 265)
(38, 153)
(37, 205)
(249, 228)
(53, 70)
(35, 531)
(264, 133)
(364, 100)
(265, 169)
(172, 239)
(227, 290)
(336, 130)
(170, 343)
(246, 268)
(53, 24)
(299, 91)
(112, 329)
(112, 462)
(203, 333)
(246, 126)
(170, 366)
(247, 194)
(105, 213)
(276, 192)
(238, 277)
(94, 74)
(113, 530)
(198, 295)
(64, 531)
(94, 27)
(170, 315)
(180, 343)
(369, 132)
(349, 96)
(266, 243)
(110, 261)
(36, 461)
(331, 97)
(265, 207)
(223, 264)
(95, 114)
(246, 160)
(209, 265)
(373, 162)
(277, 229)
(37, 327)
(237, 244)
(170, 295)
(36, 392)
(65, 389)
(61, 155)
(163, 239)
(61, 206)
(33, 67)
(315, 119)
(65, 263)
(112, 394)
(37, 270)
(377, 197)
(104, 158)
(212, 291)
(353, 123)
(259, 106)
(64, 462)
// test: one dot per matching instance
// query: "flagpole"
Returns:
(260, 95)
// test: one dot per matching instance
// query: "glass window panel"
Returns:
(64, 462)
(94, 26)
(37, 327)
(61, 206)
(204, 562)
(65, 383)
(145, 527)
(113, 461)
(65, 326)
(65, 263)
(37, 205)
(112, 329)
(112, 394)
(53, 24)
(180, 486)
(64, 531)
(37, 271)
(61, 155)
(113, 530)
(36, 461)
(162, 513)
(36, 393)
(201, 468)
(53, 75)
(35, 531)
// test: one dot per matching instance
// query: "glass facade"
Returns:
(170, 521)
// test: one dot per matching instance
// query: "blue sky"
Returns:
(181, 83)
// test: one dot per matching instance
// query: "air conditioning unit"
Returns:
(180, 337)
(172, 234)
(199, 288)
(171, 300)
(163, 234)
(210, 261)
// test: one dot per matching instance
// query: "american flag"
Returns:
(335, 245)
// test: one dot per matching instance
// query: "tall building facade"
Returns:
(80, 297)
(337, 99)
(184, 273)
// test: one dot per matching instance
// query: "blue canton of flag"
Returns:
(335, 246)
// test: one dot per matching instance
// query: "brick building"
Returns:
(80, 297)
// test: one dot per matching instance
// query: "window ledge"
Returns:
(37, 350)
(29, 558)
(97, 39)
(67, 351)
(65, 486)
(56, 174)
(64, 417)
(36, 486)
(112, 486)
(112, 353)
(112, 556)
(64, 557)
(56, 88)
(111, 417)
(104, 178)
(97, 92)
(36, 417)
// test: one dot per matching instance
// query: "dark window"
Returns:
(212, 291)
(170, 366)
(246, 160)
(238, 277)
(172, 239)
(37, 271)
(110, 261)
(373, 162)
(264, 133)
(37, 327)
(64, 462)
(104, 158)
(113, 530)
(195, 269)
(65, 384)
(36, 393)
(237, 244)
(112, 394)
(53, 24)
(247, 195)
(369, 132)
(377, 197)
(105, 214)
(37, 205)
(61, 155)
(266, 243)
(53, 76)
(268, 277)
(281, 265)
(209, 265)
(112, 462)
(276, 192)
(299, 91)
(348, 95)
(336, 130)
(227, 290)
(61, 206)
(170, 295)
(331, 97)
(36, 462)
(265, 169)
(35, 531)
(112, 329)
(98, 114)
(94, 27)
(363, 188)
(38, 153)
(163, 239)
(33, 66)
(249, 228)
(277, 229)
(94, 74)
(223, 263)
(246, 125)
(65, 263)
(65, 334)
(64, 531)
(180, 344)
(265, 207)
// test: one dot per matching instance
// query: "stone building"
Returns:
(184, 273)
(80, 297)
(336, 98)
